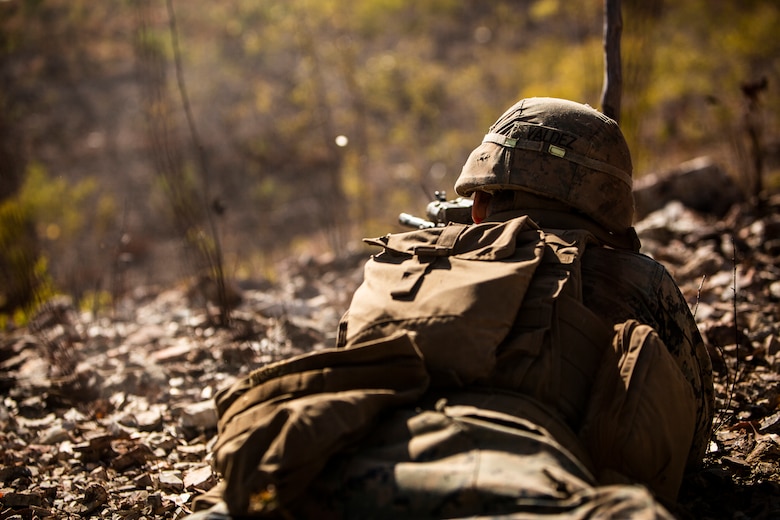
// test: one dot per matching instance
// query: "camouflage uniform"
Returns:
(648, 293)
(452, 460)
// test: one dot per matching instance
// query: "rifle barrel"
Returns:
(415, 222)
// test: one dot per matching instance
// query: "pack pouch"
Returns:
(279, 425)
(456, 289)
(642, 412)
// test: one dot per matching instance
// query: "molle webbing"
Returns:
(583, 337)
(553, 351)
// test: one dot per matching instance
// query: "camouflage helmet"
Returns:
(560, 149)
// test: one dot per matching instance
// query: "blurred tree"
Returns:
(612, 90)
(11, 158)
(19, 247)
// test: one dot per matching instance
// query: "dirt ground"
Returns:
(110, 414)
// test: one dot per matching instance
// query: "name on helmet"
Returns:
(549, 135)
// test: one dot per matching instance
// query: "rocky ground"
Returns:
(109, 415)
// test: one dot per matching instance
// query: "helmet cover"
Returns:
(559, 149)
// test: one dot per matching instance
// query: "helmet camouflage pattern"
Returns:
(559, 149)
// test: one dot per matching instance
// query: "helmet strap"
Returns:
(558, 151)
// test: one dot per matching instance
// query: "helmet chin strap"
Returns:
(558, 151)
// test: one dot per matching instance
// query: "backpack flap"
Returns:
(456, 289)
(280, 425)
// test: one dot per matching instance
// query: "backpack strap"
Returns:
(556, 342)
(443, 246)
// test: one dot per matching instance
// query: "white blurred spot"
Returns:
(342, 141)
(482, 34)
(404, 171)
(96, 140)
(438, 171)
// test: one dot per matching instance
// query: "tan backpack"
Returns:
(458, 291)
(433, 310)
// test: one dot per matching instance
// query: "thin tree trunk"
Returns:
(613, 73)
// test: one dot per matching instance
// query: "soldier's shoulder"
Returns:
(636, 260)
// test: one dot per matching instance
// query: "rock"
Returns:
(54, 435)
(99, 473)
(201, 479)
(699, 184)
(18, 500)
(150, 420)
(171, 481)
(159, 505)
(202, 415)
(705, 262)
(96, 449)
(176, 352)
(143, 481)
(136, 456)
(95, 496)
(774, 290)
(670, 221)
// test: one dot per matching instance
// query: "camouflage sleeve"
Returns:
(682, 338)
(621, 285)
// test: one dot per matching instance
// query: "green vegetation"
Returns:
(42, 225)
(412, 86)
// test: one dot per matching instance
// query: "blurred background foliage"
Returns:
(314, 123)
